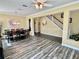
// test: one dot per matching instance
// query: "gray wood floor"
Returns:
(39, 48)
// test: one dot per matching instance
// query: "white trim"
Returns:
(71, 47)
(65, 5)
(51, 35)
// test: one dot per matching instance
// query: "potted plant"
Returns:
(75, 37)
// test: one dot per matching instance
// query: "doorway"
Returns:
(37, 25)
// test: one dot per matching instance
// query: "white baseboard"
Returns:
(51, 35)
(69, 46)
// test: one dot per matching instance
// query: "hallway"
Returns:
(39, 48)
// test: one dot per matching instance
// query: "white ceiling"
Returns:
(15, 7)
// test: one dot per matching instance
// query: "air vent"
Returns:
(24, 5)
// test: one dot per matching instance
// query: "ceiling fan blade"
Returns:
(48, 5)
(42, 1)
(34, 1)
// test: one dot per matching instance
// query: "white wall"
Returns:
(50, 28)
(75, 22)
(6, 18)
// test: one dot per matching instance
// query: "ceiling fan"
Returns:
(39, 4)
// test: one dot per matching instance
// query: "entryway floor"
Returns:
(39, 48)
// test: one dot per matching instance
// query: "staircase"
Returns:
(56, 21)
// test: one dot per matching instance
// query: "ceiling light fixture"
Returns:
(39, 5)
